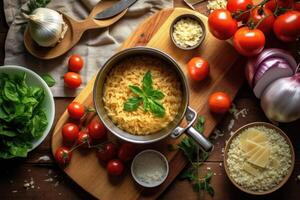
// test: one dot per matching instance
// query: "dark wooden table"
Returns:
(49, 182)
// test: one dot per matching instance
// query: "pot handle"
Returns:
(200, 139)
(191, 116)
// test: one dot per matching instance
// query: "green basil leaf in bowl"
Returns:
(26, 111)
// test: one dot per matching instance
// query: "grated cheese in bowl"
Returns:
(149, 168)
(260, 161)
(216, 4)
(187, 32)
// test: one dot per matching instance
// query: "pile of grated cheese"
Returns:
(187, 32)
(216, 4)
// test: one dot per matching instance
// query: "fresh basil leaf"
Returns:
(147, 81)
(136, 90)
(17, 148)
(10, 91)
(49, 80)
(132, 103)
(157, 109)
(8, 133)
(146, 104)
(38, 124)
(157, 95)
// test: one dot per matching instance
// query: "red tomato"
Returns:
(96, 129)
(84, 138)
(297, 5)
(63, 155)
(75, 63)
(221, 24)
(236, 6)
(109, 152)
(72, 80)
(127, 151)
(219, 102)
(249, 42)
(281, 4)
(115, 167)
(198, 68)
(70, 132)
(258, 14)
(76, 110)
(287, 26)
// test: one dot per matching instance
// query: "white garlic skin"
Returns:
(46, 27)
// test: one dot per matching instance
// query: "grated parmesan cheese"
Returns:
(216, 4)
(187, 32)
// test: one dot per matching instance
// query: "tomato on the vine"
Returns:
(219, 102)
(115, 167)
(281, 4)
(72, 80)
(108, 152)
(198, 68)
(76, 110)
(70, 132)
(127, 151)
(236, 6)
(287, 26)
(96, 129)
(84, 138)
(221, 24)
(264, 17)
(63, 155)
(249, 42)
(75, 63)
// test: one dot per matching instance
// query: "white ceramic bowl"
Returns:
(48, 105)
(134, 167)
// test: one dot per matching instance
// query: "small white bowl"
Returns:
(134, 167)
(48, 105)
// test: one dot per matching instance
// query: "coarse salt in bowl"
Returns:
(150, 168)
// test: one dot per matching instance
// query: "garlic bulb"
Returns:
(46, 27)
(281, 99)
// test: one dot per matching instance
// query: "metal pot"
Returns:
(173, 128)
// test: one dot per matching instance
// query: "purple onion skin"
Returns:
(267, 64)
(254, 63)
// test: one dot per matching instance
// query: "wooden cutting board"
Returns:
(226, 75)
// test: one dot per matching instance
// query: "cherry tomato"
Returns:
(127, 151)
(72, 80)
(219, 102)
(249, 42)
(96, 129)
(70, 132)
(297, 5)
(236, 6)
(63, 155)
(281, 4)
(287, 26)
(198, 68)
(76, 110)
(75, 63)
(115, 167)
(221, 24)
(267, 17)
(109, 152)
(84, 138)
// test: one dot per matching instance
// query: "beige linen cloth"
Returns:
(96, 46)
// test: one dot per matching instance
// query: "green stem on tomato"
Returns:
(250, 9)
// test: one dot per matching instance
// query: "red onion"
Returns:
(270, 70)
(254, 63)
(281, 99)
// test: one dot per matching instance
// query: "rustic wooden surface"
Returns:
(51, 183)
